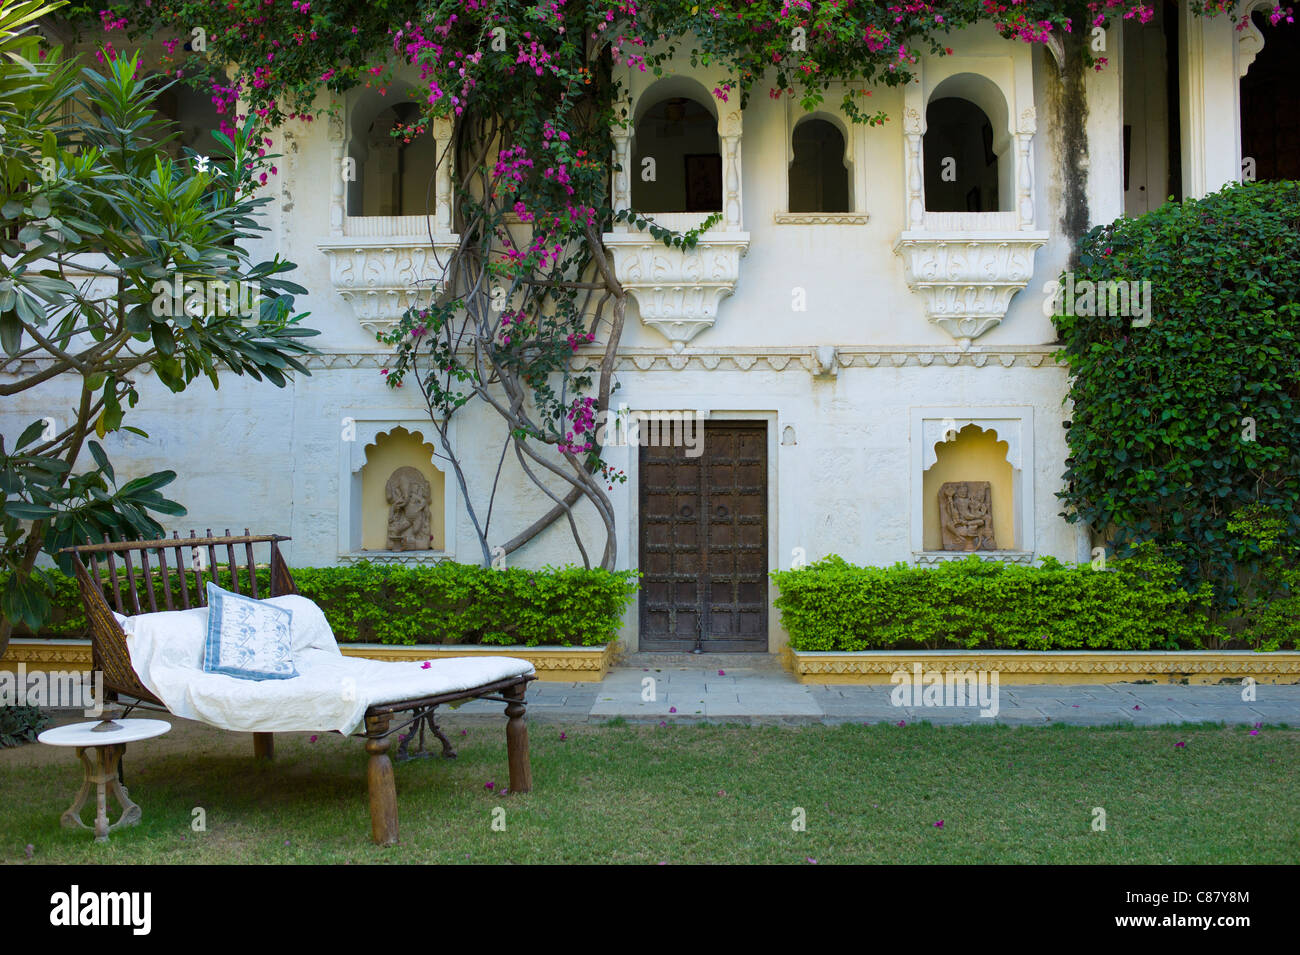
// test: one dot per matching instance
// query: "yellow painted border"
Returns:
(1062, 666)
(553, 664)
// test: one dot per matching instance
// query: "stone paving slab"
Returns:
(762, 692)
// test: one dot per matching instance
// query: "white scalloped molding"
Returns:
(359, 428)
(1015, 426)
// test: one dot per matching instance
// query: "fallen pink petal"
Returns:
(1180, 745)
(939, 824)
(488, 786)
(672, 709)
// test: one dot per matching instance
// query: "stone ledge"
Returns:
(1060, 666)
(553, 664)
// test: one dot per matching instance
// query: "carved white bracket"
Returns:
(1249, 40)
(678, 290)
(967, 280)
(382, 276)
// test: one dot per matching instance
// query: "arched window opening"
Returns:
(961, 168)
(676, 160)
(192, 116)
(1270, 105)
(396, 165)
(819, 178)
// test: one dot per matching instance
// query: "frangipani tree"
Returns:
(99, 229)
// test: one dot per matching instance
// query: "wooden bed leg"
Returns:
(264, 746)
(521, 773)
(383, 788)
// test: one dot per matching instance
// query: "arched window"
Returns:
(961, 167)
(195, 119)
(819, 178)
(1270, 104)
(396, 163)
(676, 159)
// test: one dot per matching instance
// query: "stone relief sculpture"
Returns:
(408, 495)
(966, 515)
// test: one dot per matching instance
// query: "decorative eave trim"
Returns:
(774, 359)
(821, 218)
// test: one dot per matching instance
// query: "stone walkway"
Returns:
(766, 693)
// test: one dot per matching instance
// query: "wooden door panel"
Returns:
(704, 542)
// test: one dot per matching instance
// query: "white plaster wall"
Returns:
(266, 458)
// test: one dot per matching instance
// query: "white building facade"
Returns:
(866, 322)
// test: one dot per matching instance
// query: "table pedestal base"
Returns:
(101, 774)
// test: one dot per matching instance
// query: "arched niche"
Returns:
(373, 446)
(676, 151)
(820, 169)
(977, 455)
(995, 444)
(390, 451)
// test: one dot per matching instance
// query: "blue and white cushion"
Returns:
(247, 638)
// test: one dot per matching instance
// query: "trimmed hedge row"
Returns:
(1135, 604)
(437, 604)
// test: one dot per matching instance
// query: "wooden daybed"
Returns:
(122, 684)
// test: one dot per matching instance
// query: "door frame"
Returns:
(630, 548)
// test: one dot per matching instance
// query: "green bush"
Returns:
(1183, 424)
(1136, 604)
(20, 724)
(442, 603)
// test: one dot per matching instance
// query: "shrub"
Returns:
(442, 603)
(1182, 424)
(20, 724)
(974, 604)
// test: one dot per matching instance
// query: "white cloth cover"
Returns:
(331, 692)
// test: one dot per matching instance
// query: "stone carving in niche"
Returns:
(966, 515)
(408, 494)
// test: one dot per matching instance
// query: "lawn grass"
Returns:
(680, 794)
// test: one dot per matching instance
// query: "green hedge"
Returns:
(1134, 604)
(442, 603)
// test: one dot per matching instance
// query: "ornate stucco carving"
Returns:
(820, 218)
(381, 277)
(678, 290)
(967, 280)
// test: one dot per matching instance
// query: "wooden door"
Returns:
(704, 542)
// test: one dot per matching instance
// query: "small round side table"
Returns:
(108, 739)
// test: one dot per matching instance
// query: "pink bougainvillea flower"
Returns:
(425, 665)
(464, 732)
(1136, 707)
(901, 723)
(722, 792)
(489, 786)
(313, 739)
(939, 824)
(1254, 732)
(563, 737)
(722, 673)
(672, 709)
(1180, 745)
(662, 723)
(810, 860)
